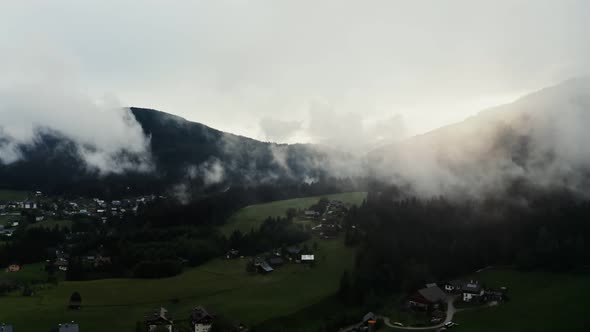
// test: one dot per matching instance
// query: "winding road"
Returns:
(451, 310)
(450, 313)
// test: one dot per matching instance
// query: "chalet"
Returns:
(294, 253)
(6, 328)
(13, 268)
(232, 254)
(264, 268)
(453, 286)
(69, 327)
(429, 297)
(369, 316)
(496, 294)
(61, 264)
(201, 320)
(309, 214)
(102, 261)
(276, 261)
(157, 319)
(472, 291)
(29, 205)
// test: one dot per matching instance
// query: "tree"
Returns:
(344, 289)
(75, 301)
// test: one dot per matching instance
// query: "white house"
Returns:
(472, 291)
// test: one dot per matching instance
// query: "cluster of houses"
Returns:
(472, 291)
(43, 207)
(200, 320)
(265, 264)
(329, 220)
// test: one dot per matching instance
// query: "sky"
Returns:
(342, 72)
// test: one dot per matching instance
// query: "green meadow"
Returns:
(251, 217)
(223, 286)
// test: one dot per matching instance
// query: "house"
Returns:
(309, 214)
(293, 252)
(5, 328)
(496, 294)
(264, 268)
(428, 297)
(472, 291)
(369, 316)
(232, 254)
(13, 268)
(453, 286)
(276, 261)
(69, 327)
(158, 318)
(29, 205)
(201, 320)
(61, 264)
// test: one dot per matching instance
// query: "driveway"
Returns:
(450, 313)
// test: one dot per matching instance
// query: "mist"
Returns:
(536, 142)
(44, 94)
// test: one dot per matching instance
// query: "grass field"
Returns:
(539, 302)
(252, 217)
(13, 195)
(30, 273)
(224, 286)
(51, 223)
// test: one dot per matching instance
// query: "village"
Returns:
(323, 220)
(436, 305)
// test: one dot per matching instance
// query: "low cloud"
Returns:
(51, 99)
(279, 131)
(536, 142)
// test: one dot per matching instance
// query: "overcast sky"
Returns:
(301, 70)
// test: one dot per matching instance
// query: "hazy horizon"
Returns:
(298, 71)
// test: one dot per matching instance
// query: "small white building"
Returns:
(472, 291)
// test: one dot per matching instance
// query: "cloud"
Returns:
(352, 131)
(278, 131)
(535, 142)
(38, 96)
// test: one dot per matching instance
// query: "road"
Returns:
(450, 313)
(451, 310)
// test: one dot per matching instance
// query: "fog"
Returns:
(537, 141)
(41, 94)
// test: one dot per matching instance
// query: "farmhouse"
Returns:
(157, 319)
(429, 297)
(309, 214)
(69, 327)
(453, 286)
(6, 328)
(201, 320)
(264, 268)
(276, 261)
(13, 268)
(233, 253)
(472, 291)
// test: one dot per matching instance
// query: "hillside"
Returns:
(181, 151)
(533, 143)
(224, 286)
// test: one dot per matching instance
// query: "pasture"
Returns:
(222, 285)
(251, 217)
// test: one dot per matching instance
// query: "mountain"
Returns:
(182, 152)
(537, 141)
